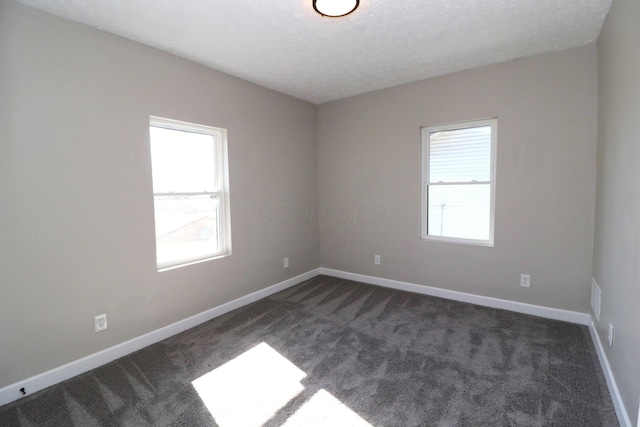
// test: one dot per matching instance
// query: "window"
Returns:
(190, 190)
(458, 182)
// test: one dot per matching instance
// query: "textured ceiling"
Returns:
(285, 45)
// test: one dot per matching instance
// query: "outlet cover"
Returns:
(376, 259)
(100, 322)
(286, 263)
(610, 335)
(525, 280)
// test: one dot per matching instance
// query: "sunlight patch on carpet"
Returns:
(250, 389)
(325, 410)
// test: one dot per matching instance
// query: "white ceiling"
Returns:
(285, 45)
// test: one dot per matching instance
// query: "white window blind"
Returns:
(458, 182)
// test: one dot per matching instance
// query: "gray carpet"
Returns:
(335, 352)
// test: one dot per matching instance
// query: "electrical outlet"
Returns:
(525, 280)
(376, 259)
(286, 263)
(100, 322)
(610, 335)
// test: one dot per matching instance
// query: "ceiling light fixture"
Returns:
(335, 8)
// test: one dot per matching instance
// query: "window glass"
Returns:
(182, 161)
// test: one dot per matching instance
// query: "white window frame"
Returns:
(221, 186)
(425, 158)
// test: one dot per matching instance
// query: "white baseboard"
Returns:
(519, 307)
(36, 383)
(618, 404)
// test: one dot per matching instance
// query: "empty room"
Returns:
(319, 213)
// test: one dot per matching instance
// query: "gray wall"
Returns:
(616, 262)
(76, 207)
(369, 180)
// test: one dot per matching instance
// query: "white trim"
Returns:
(618, 404)
(518, 307)
(36, 383)
(163, 122)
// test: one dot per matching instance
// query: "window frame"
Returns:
(221, 192)
(425, 183)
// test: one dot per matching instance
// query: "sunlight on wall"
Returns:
(250, 389)
(325, 410)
